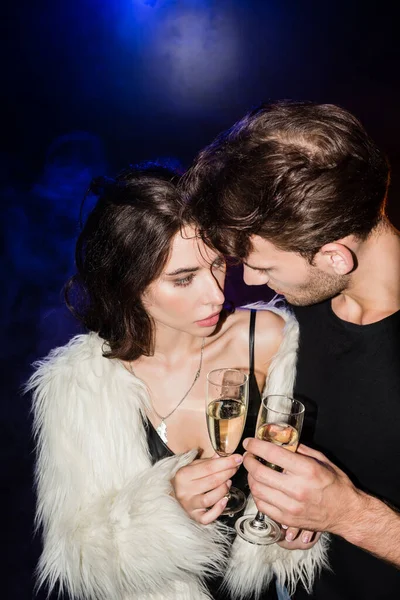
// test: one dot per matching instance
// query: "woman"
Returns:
(118, 522)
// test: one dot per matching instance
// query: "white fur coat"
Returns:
(111, 528)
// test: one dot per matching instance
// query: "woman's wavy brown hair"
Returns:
(122, 248)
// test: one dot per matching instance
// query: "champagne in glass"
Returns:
(279, 421)
(226, 410)
(225, 420)
(280, 434)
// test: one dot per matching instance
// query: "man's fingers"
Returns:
(269, 509)
(305, 463)
(307, 451)
(282, 508)
(265, 475)
(321, 458)
(285, 508)
(289, 461)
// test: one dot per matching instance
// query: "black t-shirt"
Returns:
(349, 379)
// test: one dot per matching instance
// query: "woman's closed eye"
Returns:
(184, 281)
(218, 264)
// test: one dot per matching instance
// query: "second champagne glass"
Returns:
(279, 421)
(226, 410)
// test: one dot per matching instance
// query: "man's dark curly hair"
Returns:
(297, 174)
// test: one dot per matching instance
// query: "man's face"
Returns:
(290, 274)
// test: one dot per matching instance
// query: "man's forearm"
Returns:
(373, 526)
(314, 494)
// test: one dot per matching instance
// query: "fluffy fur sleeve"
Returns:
(252, 568)
(112, 530)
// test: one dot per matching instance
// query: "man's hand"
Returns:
(311, 494)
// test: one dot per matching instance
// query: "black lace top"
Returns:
(159, 450)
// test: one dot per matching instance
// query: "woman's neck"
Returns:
(172, 346)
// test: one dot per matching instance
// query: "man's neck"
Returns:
(374, 289)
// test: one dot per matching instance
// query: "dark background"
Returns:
(89, 86)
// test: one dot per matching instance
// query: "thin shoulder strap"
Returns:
(253, 314)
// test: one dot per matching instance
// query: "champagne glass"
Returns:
(279, 421)
(226, 410)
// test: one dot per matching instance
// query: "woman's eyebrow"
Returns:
(183, 270)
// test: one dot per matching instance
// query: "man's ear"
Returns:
(335, 258)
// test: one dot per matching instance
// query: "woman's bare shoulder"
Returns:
(268, 331)
(233, 339)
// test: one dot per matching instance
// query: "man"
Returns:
(297, 191)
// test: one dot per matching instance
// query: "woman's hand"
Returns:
(201, 487)
(298, 539)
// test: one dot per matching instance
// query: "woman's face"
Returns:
(188, 294)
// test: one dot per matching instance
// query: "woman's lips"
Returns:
(209, 321)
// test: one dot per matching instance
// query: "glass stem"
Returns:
(259, 521)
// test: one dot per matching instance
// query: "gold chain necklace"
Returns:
(162, 427)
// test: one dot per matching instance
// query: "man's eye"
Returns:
(264, 271)
(219, 263)
(184, 281)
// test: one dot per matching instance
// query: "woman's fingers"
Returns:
(213, 496)
(208, 516)
(205, 475)
(291, 533)
(201, 486)
(211, 482)
(298, 542)
(211, 466)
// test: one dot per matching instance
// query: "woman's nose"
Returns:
(215, 294)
